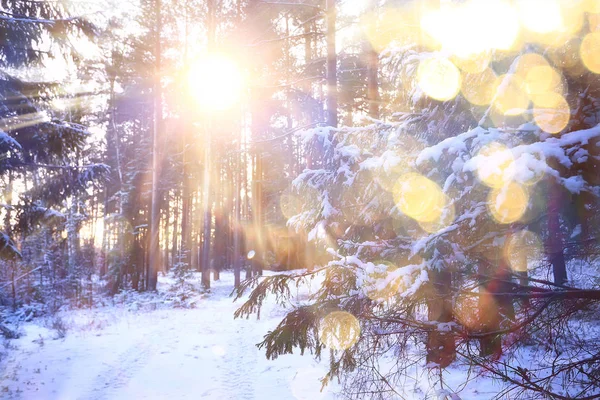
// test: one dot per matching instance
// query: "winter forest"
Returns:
(300, 199)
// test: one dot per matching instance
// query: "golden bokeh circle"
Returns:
(479, 88)
(541, 16)
(290, 204)
(589, 52)
(496, 166)
(473, 64)
(591, 6)
(509, 203)
(542, 81)
(511, 97)
(445, 219)
(418, 197)
(439, 78)
(520, 247)
(554, 117)
(339, 330)
(526, 62)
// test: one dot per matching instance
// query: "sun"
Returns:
(215, 82)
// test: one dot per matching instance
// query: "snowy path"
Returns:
(163, 354)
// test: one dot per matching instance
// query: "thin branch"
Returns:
(287, 133)
(292, 4)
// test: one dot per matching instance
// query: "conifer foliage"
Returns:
(453, 227)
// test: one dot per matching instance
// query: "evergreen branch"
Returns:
(10, 17)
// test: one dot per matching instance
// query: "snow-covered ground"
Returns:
(133, 352)
(138, 347)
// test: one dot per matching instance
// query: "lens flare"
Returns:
(508, 204)
(290, 205)
(391, 26)
(451, 27)
(339, 330)
(473, 64)
(418, 197)
(439, 78)
(590, 52)
(543, 81)
(527, 61)
(594, 22)
(496, 165)
(554, 117)
(215, 82)
(503, 24)
(465, 310)
(592, 6)
(511, 96)
(446, 218)
(479, 88)
(520, 248)
(541, 16)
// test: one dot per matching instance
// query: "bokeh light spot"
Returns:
(451, 27)
(439, 78)
(391, 25)
(511, 97)
(473, 64)
(554, 117)
(496, 165)
(503, 24)
(445, 219)
(591, 6)
(290, 205)
(339, 330)
(590, 52)
(543, 81)
(521, 248)
(479, 88)
(418, 197)
(541, 16)
(509, 203)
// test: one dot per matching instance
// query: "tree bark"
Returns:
(372, 60)
(554, 243)
(495, 306)
(441, 348)
(154, 251)
(206, 235)
(331, 79)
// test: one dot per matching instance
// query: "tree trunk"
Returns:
(372, 61)
(554, 243)
(165, 262)
(154, 250)
(186, 245)
(206, 235)
(235, 225)
(441, 349)
(174, 250)
(257, 218)
(331, 79)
